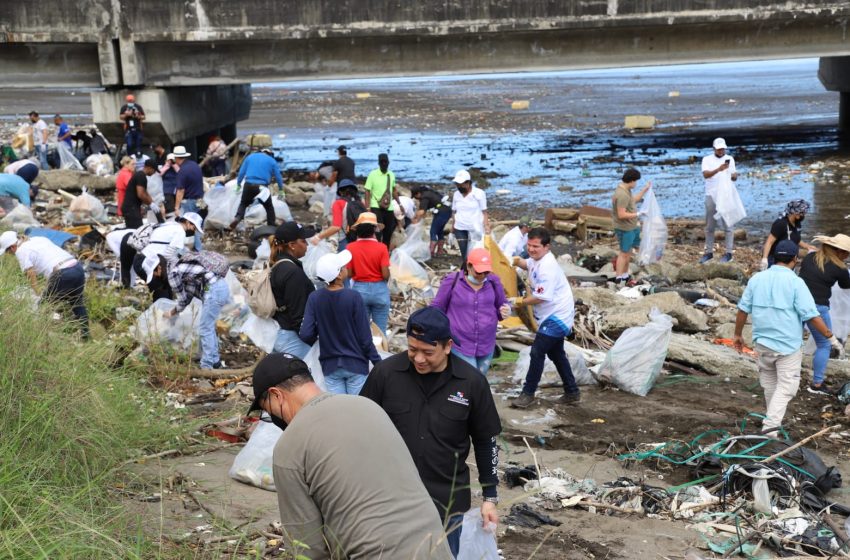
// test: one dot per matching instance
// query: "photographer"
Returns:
(133, 116)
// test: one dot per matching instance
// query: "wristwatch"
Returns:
(493, 500)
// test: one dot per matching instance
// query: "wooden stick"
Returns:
(798, 444)
(536, 464)
(229, 147)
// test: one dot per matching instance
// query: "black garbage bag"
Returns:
(523, 515)
(518, 476)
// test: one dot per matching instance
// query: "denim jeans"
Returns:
(453, 530)
(481, 363)
(438, 226)
(344, 382)
(41, 152)
(67, 286)
(821, 356)
(553, 347)
(287, 342)
(376, 296)
(133, 138)
(191, 205)
(462, 237)
(216, 297)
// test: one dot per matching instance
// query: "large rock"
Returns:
(600, 251)
(295, 197)
(727, 330)
(73, 181)
(687, 318)
(599, 298)
(730, 289)
(711, 358)
(662, 269)
(608, 270)
(700, 272)
(303, 186)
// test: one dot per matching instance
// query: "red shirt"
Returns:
(121, 181)
(336, 212)
(367, 258)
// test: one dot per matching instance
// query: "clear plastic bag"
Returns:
(85, 208)
(153, 328)
(262, 332)
(476, 541)
(405, 270)
(653, 235)
(222, 203)
(578, 365)
(634, 362)
(416, 245)
(256, 214)
(315, 366)
(264, 253)
(19, 219)
(314, 253)
(253, 464)
(67, 160)
(730, 209)
(99, 164)
(839, 312)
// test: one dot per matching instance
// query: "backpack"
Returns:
(353, 209)
(214, 262)
(260, 295)
(141, 238)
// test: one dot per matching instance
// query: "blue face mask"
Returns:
(473, 280)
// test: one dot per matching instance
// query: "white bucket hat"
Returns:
(7, 239)
(180, 151)
(149, 265)
(195, 219)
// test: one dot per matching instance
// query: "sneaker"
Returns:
(821, 389)
(706, 257)
(524, 400)
(569, 399)
(218, 365)
(726, 258)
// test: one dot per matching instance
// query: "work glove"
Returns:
(516, 260)
(516, 301)
(155, 208)
(763, 264)
(505, 311)
(836, 344)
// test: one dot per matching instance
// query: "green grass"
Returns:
(68, 421)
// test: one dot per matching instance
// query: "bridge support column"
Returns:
(180, 115)
(834, 74)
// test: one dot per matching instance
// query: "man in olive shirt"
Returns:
(625, 220)
(346, 485)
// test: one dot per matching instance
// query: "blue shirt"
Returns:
(169, 181)
(779, 302)
(190, 179)
(338, 318)
(63, 130)
(258, 169)
(16, 187)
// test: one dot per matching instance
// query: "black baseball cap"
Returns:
(430, 325)
(786, 248)
(273, 370)
(293, 231)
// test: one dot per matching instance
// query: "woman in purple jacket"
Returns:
(475, 302)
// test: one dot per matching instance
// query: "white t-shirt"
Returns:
(41, 254)
(14, 167)
(38, 132)
(549, 283)
(513, 243)
(167, 240)
(407, 205)
(468, 210)
(712, 162)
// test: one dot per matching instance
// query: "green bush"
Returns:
(68, 421)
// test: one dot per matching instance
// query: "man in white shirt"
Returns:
(554, 311)
(66, 279)
(469, 212)
(514, 241)
(39, 138)
(716, 168)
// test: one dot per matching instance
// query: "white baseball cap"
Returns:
(719, 144)
(149, 265)
(7, 239)
(195, 219)
(462, 176)
(328, 266)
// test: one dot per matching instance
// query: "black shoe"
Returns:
(524, 400)
(218, 365)
(569, 399)
(706, 257)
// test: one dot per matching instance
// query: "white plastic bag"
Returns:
(256, 214)
(18, 219)
(153, 328)
(416, 244)
(314, 253)
(839, 312)
(578, 365)
(730, 209)
(264, 253)
(476, 541)
(653, 235)
(405, 270)
(262, 332)
(315, 366)
(99, 164)
(67, 160)
(222, 203)
(253, 465)
(85, 208)
(634, 362)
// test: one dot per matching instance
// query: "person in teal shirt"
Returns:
(17, 188)
(381, 182)
(780, 302)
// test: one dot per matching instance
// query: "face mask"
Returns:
(800, 220)
(278, 422)
(472, 280)
(462, 189)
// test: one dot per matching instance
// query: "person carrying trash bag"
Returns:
(786, 227)
(257, 171)
(821, 270)
(554, 310)
(195, 275)
(719, 172)
(780, 303)
(66, 278)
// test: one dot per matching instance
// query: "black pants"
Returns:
(158, 287)
(67, 286)
(386, 217)
(169, 203)
(132, 216)
(126, 256)
(249, 193)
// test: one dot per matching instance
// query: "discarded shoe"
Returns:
(726, 258)
(524, 400)
(569, 399)
(706, 257)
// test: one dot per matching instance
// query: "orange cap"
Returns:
(480, 260)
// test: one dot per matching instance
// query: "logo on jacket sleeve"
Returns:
(459, 398)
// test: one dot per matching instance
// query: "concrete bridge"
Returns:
(191, 62)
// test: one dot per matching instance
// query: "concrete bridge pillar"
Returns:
(177, 115)
(834, 74)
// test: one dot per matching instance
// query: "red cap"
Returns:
(480, 260)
